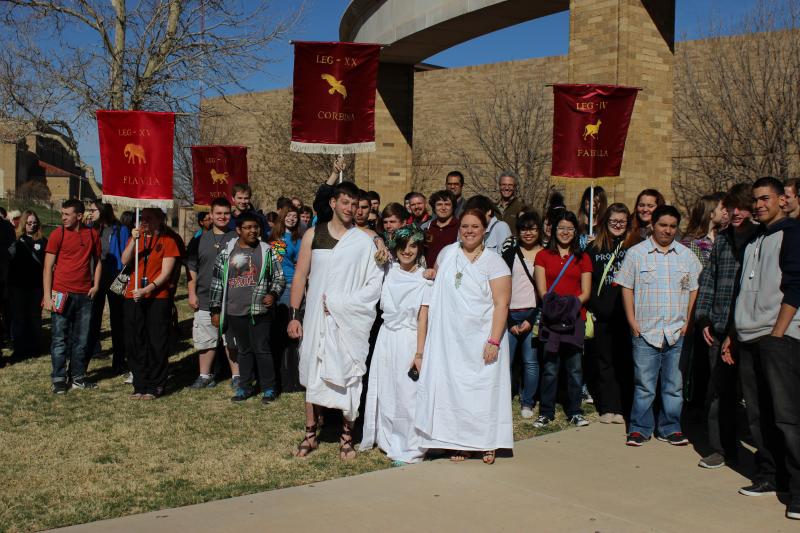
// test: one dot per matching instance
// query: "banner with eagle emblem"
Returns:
(590, 126)
(136, 149)
(334, 97)
(216, 169)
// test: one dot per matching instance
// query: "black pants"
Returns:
(781, 365)
(770, 450)
(147, 342)
(721, 404)
(613, 366)
(251, 341)
(117, 323)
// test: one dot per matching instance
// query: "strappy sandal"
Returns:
(459, 456)
(488, 457)
(308, 444)
(346, 450)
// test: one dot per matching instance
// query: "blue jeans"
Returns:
(571, 356)
(648, 363)
(70, 334)
(530, 361)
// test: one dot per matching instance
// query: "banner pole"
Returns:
(591, 209)
(341, 172)
(136, 255)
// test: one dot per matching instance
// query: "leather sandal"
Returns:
(308, 444)
(346, 450)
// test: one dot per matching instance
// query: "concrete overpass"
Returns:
(627, 42)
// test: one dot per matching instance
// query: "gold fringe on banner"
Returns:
(143, 203)
(202, 208)
(335, 149)
(563, 182)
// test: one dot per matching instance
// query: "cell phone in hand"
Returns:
(413, 373)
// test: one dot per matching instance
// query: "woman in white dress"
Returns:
(464, 394)
(391, 395)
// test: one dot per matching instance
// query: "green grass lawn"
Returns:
(92, 455)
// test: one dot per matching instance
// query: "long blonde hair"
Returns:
(24, 220)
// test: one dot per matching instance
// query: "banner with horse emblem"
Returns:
(334, 97)
(216, 169)
(136, 149)
(590, 126)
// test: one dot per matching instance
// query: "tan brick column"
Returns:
(629, 42)
(388, 169)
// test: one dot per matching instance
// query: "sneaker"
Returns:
(203, 382)
(526, 413)
(636, 439)
(235, 382)
(578, 421)
(715, 460)
(240, 395)
(676, 439)
(128, 378)
(793, 509)
(618, 419)
(81, 383)
(542, 421)
(607, 418)
(268, 397)
(59, 387)
(758, 488)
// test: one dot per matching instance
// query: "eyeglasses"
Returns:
(565, 230)
(618, 223)
(92, 210)
(533, 228)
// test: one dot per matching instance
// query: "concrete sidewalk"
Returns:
(576, 480)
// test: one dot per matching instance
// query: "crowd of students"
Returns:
(430, 309)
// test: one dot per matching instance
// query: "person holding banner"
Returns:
(148, 304)
(344, 286)
(202, 253)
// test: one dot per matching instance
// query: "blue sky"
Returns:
(537, 38)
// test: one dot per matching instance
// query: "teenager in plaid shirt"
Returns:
(659, 287)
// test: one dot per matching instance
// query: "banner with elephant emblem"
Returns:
(334, 97)
(136, 150)
(590, 127)
(216, 169)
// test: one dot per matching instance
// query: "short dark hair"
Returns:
(528, 220)
(740, 196)
(241, 187)
(363, 195)
(348, 188)
(773, 183)
(411, 195)
(75, 204)
(479, 201)
(666, 210)
(794, 183)
(305, 209)
(438, 196)
(283, 202)
(394, 209)
(374, 196)
(455, 173)
(221, 202)
(247, 216)
(201, 216)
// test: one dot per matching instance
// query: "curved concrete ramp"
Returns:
(414, 30)
(580, 480)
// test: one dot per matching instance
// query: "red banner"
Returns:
(590, 125)
(136, 157)
(216, 169)
(334, 97)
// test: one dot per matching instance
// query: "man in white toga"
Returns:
(344, 286)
